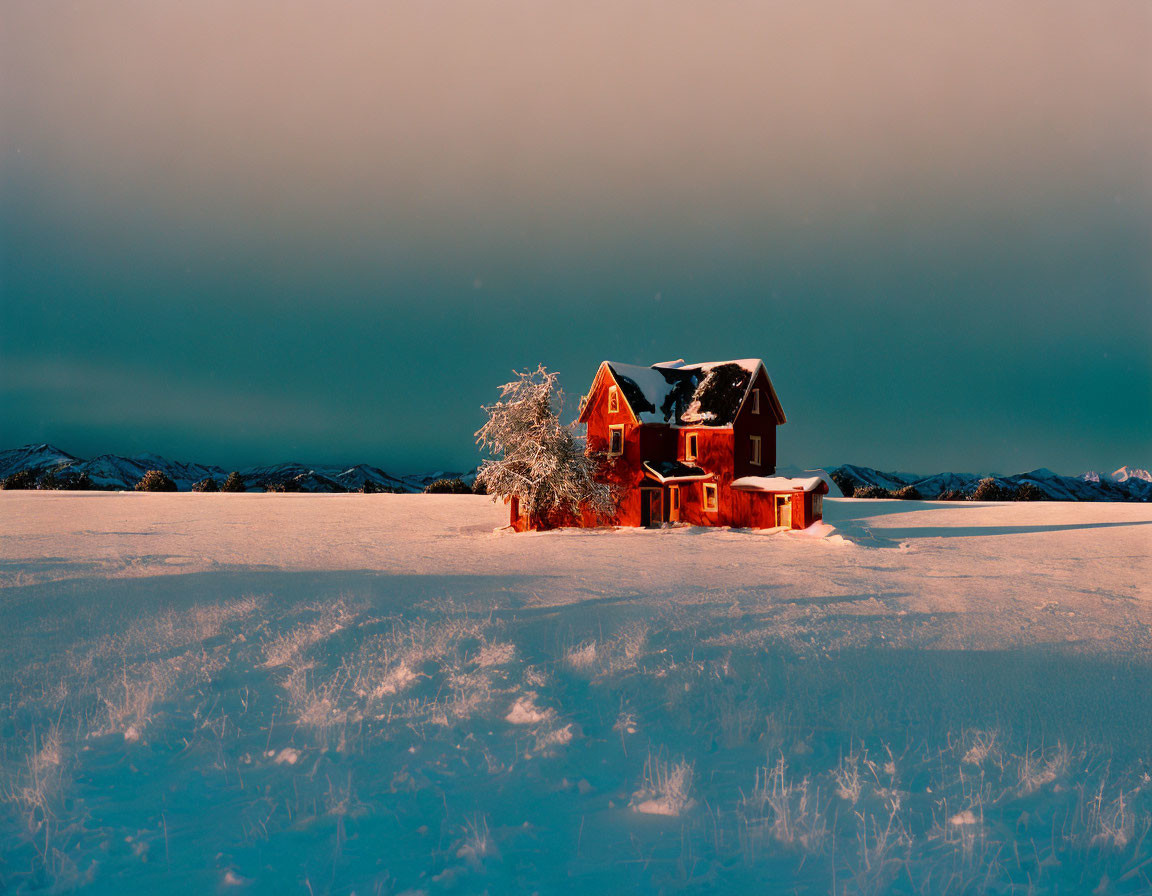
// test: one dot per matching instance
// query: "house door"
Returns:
(784, 511)
(650, 507)
(673, 503)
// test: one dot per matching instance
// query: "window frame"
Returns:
(713, 505)
(755, 401)
(756, 454)
(612, 430)
(691, 446)
(613, 400)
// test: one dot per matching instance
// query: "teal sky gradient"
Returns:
(279, 231)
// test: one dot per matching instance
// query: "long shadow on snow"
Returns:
(979, 531)
(836, 511)
(822, 600)
(45, 565)
(75, 599)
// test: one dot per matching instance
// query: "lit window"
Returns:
(755, 458)
(615, 440)
(691, 446)
(755, 401)
(613, 400)
(710, 496)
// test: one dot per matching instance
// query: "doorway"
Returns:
(673, 503)
(651, 507)
(784, 511)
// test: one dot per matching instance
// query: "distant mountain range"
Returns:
(114, 473)
(1126, 484)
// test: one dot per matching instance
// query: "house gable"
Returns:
(598, 395)
(769, 402)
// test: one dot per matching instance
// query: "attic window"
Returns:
(755, 401)
(691, 446)
(709, 496)
(615, 440)
(613, 400)
(754, 459)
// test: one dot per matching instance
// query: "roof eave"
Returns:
(674, 480)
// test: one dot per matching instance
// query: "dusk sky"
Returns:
(263, 231)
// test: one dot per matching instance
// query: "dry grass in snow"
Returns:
(908, 709)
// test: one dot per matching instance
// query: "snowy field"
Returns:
(313, 694)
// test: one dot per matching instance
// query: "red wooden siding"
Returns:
(748, 424)
(626, 470)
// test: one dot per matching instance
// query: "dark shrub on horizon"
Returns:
(61, 480)
(908, 493)
(286, 485)
(207, 484)
(990, 490)
(234, 483)
(448, 487)
(50, 481)
(66, 481)
(374, 488)
(156, 481)
(21, 480)
(1029, 491)
(479, 488)
(951, 494)
(872, 491)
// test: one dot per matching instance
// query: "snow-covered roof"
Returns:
(673, 392)
(674, 471)
(780, 484)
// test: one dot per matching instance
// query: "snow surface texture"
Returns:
(386, 694)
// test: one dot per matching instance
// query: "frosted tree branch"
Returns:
(535, 457)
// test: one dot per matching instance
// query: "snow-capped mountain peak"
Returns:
(1126, 473)
(38, 458)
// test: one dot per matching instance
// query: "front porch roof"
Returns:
(665, 471)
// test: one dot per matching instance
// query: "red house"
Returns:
(693, 443)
